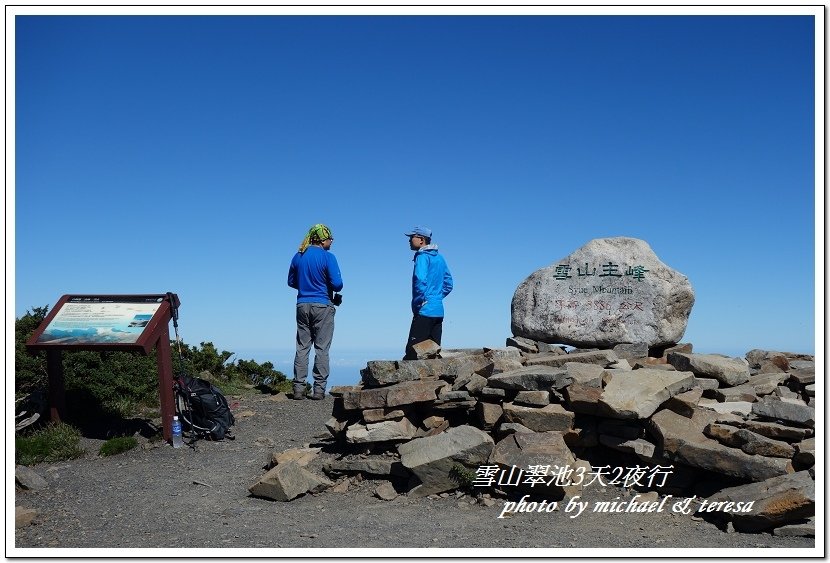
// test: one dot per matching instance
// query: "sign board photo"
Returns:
(124, 322)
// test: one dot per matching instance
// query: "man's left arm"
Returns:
(335, 278)
(447, 282)
(419, 281)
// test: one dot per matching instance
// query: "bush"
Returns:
(117, 445)
(205, 358)
(30, 371)
(465, 478)
(120, 382)
(263, 375)
(55, 442)
(225, 374)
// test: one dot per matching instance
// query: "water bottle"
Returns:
(177, 433)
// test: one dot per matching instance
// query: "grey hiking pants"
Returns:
(315, 325)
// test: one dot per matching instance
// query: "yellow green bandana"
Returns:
(317, 233)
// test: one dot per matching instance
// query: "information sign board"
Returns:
(93, 322)
(129, 323)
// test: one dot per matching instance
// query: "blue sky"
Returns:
(190, 154)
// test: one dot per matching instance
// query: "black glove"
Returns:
(337, 299)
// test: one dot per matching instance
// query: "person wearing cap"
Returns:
(431, 283)
(315, 274)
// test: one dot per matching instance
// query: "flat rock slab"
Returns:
(302, 456)
(550, 417)
(523, 344)
(774, 430)
(639, 393)
(682, 440)
(788, 410)
(639, 447)
(731, 371)
(588, 375)
(739, 407)
(610, 291)
(405, 393)
(384, 431)
(531, 378)
(532, 398)
(598, 357)
(776, 502)
(381, 467)
(378, 373)
(749, 441)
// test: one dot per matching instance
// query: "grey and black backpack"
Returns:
(203, 408)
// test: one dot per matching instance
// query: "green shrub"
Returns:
(117, 445)
(30, 370)
(120, 382)
(284, 385)
(263, 375)
(55, 442)
(206, 358)
(465, 478)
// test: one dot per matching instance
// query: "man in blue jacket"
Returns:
(315, 275)
(431, 282)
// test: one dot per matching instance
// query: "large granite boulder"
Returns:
(608, 292)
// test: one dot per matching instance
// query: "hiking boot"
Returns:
(299, 391)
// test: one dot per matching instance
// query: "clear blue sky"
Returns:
(191, 154)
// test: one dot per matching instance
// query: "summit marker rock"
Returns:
(610, 291)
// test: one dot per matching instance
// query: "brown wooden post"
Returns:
(57, 399)
(165, 369)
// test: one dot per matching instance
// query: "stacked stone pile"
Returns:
(720, 422)
(593, 368)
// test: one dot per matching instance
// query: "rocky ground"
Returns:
(160, 497)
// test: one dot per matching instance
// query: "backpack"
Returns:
(204, 408)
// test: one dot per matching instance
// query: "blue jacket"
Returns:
(431, 282)
(315, 275)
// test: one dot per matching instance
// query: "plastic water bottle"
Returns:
(177, 433)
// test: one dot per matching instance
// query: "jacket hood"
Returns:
(428, 249)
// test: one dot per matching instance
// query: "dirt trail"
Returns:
(198, 498)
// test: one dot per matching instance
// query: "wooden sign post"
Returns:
(126, 323)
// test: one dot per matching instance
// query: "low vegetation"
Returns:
(53, 442)
(117, 445)
(465, 478)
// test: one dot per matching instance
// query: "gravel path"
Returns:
(198, 498)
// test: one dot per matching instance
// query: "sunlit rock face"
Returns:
(609, 291)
